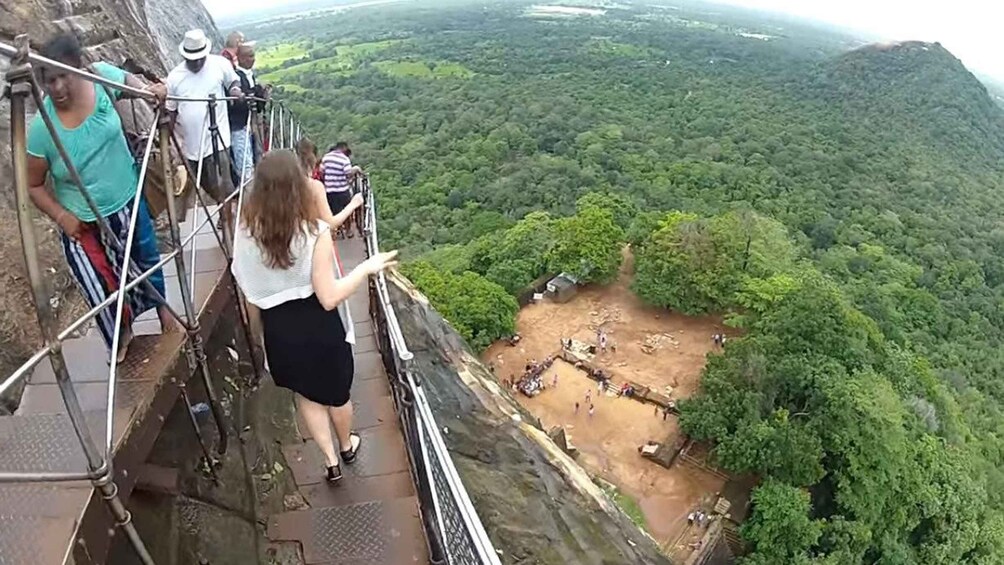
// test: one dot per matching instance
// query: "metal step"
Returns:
(376, 533)
(370, 414)
(382, 453)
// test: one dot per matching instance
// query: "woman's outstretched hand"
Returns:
(356, 202)
(379, 262)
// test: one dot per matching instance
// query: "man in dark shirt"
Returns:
(242, 140)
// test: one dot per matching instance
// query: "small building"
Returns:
(562, 288)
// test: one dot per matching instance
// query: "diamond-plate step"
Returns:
(47, 442)
(388, 532)
(41, 501)
(365, 344)
(359, 304)
(87, 359)
(47, 399)
(358, 490)
(365, 391)
(382, 453)
(351, 252)
(35, 541)
(363, 328)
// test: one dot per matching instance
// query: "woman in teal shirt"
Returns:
(87, 124)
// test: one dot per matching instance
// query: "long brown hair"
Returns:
(279, 207)
(306, 150)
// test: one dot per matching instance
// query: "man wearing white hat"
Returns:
(203, 75)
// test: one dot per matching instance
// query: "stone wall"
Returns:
(538, 505)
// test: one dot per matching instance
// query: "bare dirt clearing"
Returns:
(608, 441)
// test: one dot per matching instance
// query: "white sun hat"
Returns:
(196, 45)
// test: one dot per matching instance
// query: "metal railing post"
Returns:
(271, 126)
(194, 328)
(19, 77)
(282, 129)
(164, 132)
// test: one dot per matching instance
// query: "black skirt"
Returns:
(307, 352)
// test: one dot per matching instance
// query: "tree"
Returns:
(642, 226)
(777, 448)
(697, 265)
(587, 245)
(480, 310)
(779, 528)
(622, 209)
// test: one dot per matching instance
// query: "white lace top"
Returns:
(266, 287)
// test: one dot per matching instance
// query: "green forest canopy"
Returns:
(841, 204)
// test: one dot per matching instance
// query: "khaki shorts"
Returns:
(217, 186)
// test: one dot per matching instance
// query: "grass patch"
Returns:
(275, 55)
(424, 69)
(343, 62)
(626, 503)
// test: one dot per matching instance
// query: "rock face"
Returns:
(538, 505)
(168, 20)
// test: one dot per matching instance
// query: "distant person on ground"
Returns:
(233, 42)
(200, 76)
(241, 127)
(284, 262)
(84, 117)
(338, 173)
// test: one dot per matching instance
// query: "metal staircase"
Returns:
(84, 428)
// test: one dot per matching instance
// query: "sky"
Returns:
(970, 29)
(973, 30)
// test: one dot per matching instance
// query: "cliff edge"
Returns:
(537, 504)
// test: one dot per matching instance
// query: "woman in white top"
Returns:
(284, 262)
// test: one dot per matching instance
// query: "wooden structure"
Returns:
(562, 288)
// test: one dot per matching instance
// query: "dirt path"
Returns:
(608, 441)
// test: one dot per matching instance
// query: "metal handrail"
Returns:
(11, 52)
(430, 443)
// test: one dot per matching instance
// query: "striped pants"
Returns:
(96, 266)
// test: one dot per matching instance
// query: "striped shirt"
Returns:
(336, 167)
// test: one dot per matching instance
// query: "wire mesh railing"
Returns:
(454, 530)
(456, 533)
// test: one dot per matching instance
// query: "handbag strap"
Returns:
(133, 149)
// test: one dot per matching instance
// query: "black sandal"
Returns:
(334, 474)
(349, 456)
